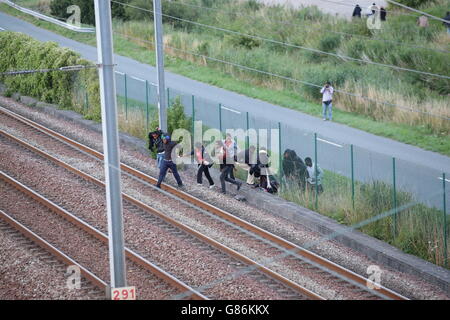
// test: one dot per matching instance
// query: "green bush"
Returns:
(415, 3)
(176, 118)
(21, 52)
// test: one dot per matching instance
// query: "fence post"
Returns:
(445, 220)
(168, 97)
(193, 120)
(247, 138)
(126, 97)
(394, 196)
(220, 118)
(353, 175)
(280, 164)
(146, 105)
(86, 102)
(315, 170)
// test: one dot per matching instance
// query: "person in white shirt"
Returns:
(327, 99)
(313, 176)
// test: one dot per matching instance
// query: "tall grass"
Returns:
(309, 28)
(419, 231)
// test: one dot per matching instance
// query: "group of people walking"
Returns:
(372, 10)
(226, 151)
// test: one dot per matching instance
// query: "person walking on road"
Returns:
(447, 24)
(327, 99)
(167, 162)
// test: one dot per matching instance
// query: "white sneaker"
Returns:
(212, 187)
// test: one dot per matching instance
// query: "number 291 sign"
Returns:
(126, 293)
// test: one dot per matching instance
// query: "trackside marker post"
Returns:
(125, 293)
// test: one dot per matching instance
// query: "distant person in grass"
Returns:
(422, 21)
(327, 101)
(357, 12)
(447, 24)
(383, 14)
(372, 9)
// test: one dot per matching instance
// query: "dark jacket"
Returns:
(357, 12)
(156, 143)
(168, 148)
(447, 24)
(383, 14)
(294, 168)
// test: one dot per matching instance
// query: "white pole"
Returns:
(110, 142)
(162, 103)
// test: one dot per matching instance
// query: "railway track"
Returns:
(92, 286)
(255, 281)
(292, 256)
(150, 276)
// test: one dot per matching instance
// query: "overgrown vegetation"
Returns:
(67, 89)
(406, 45)
(200, 68)
(419, 229)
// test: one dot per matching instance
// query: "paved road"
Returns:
(418, 170)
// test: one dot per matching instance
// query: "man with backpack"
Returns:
(156, 145)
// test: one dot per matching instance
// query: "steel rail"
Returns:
(136, 258)
(295, 249)
(59, 255)
(296, 287)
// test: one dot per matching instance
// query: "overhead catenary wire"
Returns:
(292, 45)
(64, 69)
(355, 95)
(403, 44)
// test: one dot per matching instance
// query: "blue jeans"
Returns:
(166, 165)
(159, 159)
(328, 107)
